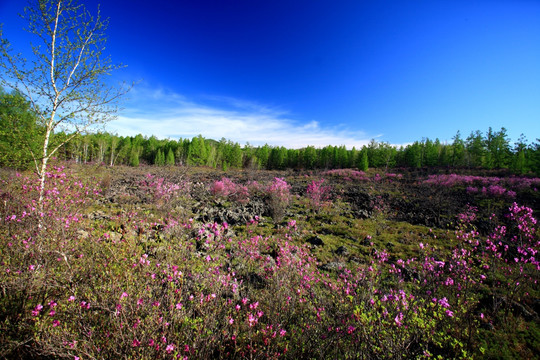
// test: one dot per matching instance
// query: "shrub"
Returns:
(277, 198)
(318, 194)
(226, 188)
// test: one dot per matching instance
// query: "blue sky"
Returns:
(319, 72)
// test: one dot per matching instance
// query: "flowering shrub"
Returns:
(490, 185)
(277, 198)
(163, 191)
(317, 193)
(347, 174)
(226, 188)
(164, 289)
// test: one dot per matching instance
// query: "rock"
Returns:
(332, 266)
(98, 215)
(342, 250)
(115, 237)
(82, 234)
(315, 240)
(366, 241)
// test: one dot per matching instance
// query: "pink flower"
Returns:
(169, 348)
(252, 320)
(37, 309)
(55, 323)
(398, 319)
(231, 320)
(136, 343)
(71, 298)
(179, 306)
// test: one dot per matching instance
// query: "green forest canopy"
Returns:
(20, 133)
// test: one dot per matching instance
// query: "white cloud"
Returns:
(169, 115)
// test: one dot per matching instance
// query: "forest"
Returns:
(479, 150)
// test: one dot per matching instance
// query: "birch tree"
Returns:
(64, 78)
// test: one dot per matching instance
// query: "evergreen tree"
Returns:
(364, 161)
(198, 152)
(134, 158)
(475, 149)
(159, 160)
(458, 150)
(170, 157)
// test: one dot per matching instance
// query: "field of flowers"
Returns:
(175, 263)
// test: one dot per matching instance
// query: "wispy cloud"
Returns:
(166, 114)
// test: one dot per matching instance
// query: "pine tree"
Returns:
(170, 157)
(364, 161)
(134, 158)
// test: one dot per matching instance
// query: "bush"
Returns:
(277, 198)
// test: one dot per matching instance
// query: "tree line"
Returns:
(20, 131)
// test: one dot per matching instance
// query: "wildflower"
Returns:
(444, 302)
(136, 343)
(179, 306)
(252, 320)
(37, 309)
(449, 313)
(71, 298)
(398, 319)
(55, 323)
(124, 294)
(169, 348)
(231, 320)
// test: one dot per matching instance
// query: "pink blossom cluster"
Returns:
(317, 193)
(226, 188)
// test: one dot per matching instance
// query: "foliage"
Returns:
(131, 283)
(19, 131)
(64, 85)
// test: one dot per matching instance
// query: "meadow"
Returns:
(178, 262)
